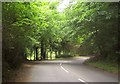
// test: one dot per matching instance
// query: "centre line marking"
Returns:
(64, 69)
(60, 64)
(82, 81)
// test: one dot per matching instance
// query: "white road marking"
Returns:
(64, 69)
(60, 64)
(67, 72)
(82, 81)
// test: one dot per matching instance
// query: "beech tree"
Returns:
(39, 28)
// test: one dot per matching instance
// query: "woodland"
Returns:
(35, 31)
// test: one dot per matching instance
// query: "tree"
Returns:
(96, 24)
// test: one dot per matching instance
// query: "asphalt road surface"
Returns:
(68, 70)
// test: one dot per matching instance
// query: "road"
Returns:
(68, 70)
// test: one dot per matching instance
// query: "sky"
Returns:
(63, 5)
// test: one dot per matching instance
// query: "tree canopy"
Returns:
(38, 28)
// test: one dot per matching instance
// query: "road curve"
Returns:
(69, 70)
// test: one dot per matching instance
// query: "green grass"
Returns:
(107, 66)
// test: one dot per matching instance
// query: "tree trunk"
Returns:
(47, 54)
(56, 54)
(51, 54)
(59, 52)
(31, 53)
(44, 53)
(34, 55)
(43, 50)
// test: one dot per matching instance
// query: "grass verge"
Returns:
(107, 66)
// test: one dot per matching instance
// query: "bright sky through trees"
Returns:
(63, 5)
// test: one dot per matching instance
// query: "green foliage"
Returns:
(96, 24)
(91, 26)
(27, 26)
